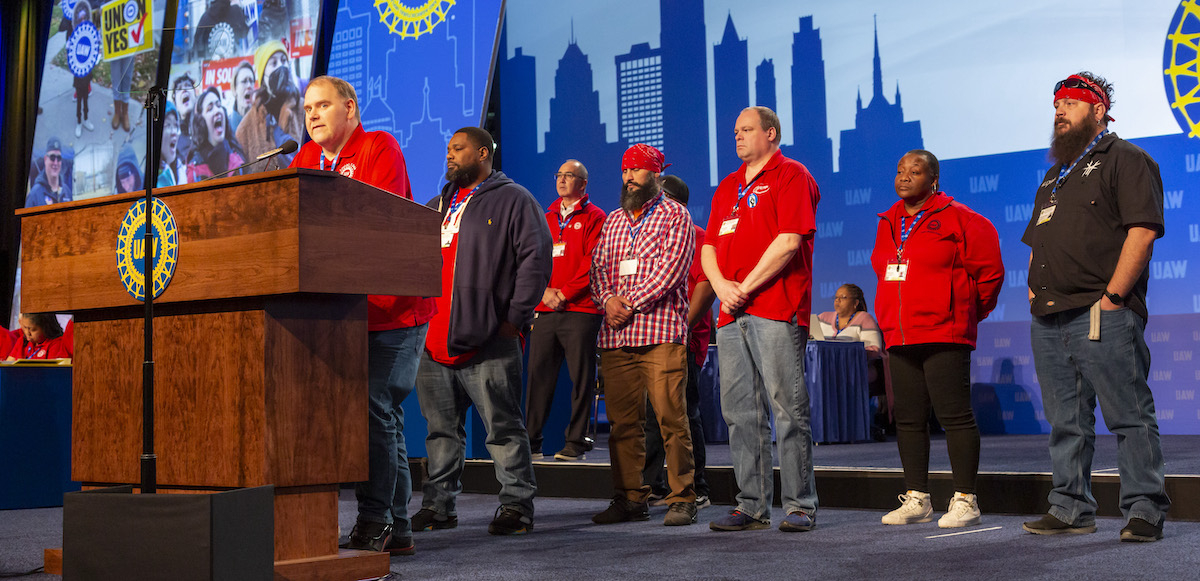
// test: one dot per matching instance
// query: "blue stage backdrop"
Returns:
(420, 72)
(856, 85)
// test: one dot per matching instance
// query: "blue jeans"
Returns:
(392, 372)
(491, 380)
(762, 366)
(1073, 372)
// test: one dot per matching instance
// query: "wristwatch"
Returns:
(1115, 298)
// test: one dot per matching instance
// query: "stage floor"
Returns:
(998, 454)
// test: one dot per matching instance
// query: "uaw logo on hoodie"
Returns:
(131, 248)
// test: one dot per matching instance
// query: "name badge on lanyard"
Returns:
(560, 249)
(1047, 213)
(728, 226)
(628, 267)
(897, 270)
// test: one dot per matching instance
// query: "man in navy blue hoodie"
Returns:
(496, 263)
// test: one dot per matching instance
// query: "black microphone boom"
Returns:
(289, 146)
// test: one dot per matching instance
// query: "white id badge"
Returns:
(448, 233)
(628, 267)
(728, 226)
(897, 271)
(1047, 213)
(560, 248)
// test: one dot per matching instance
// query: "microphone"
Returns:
(289, 146)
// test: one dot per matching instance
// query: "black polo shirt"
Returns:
(1115, 186)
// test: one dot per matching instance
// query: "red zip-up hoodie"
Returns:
(954, 274)
(578, 232)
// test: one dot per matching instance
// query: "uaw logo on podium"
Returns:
(131, 248)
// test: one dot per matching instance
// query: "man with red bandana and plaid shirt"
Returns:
(639, 278)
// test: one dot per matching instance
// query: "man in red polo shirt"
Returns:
(758, 256)
(565, 323)
(396, 325)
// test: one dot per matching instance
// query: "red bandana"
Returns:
(642, 156)
(1081, 89)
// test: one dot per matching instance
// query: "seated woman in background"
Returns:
(849, 321)
(42, 338)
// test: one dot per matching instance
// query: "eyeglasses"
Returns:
(566, 174)
(837, 298)
(54, 157)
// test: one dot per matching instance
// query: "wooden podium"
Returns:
(260, 341)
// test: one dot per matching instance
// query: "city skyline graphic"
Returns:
(663, 89)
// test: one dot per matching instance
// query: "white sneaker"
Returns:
(915, 508)
(78, 130)
(88, 125)
(962, 512)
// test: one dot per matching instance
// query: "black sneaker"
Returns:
(622, 509)
(509, 521)
(369, 536)
(572, 452)
(1049, 525)
(1141, 531)
(680, 514)
(428, 519)
(400, 546)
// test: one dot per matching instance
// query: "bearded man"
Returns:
(639, 278)
(1095, 219)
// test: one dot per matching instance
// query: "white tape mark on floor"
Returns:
(965, 532)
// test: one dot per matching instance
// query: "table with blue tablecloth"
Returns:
(836, 375)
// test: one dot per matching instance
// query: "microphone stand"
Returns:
(149, 461)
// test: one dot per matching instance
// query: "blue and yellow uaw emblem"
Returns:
(410, 19)
(1181, 59)
(131, 248)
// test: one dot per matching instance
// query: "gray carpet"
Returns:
(847, 544)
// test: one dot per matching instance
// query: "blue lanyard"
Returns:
(564, 222)
(635, 227)
(454, 206)
(333, 165)
(906, 231)
(31, 349)
(1064, 171)
(742, 191)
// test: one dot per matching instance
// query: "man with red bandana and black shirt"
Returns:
(1095, 218)
(758, 256)
(396, 325)
(567, 320)
(496, 262)
(639, 278)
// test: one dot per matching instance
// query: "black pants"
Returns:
(83, 86)
(937, 375)
(656, 454)
(556, 336)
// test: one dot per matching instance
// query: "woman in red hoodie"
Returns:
(940, 273)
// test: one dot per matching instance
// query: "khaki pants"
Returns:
(631, 375)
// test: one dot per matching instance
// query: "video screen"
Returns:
(238, 72)
(90, 138)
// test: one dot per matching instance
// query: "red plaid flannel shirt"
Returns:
(664, 248)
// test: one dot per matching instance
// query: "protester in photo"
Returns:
(82, 85)
(273, 118)
(172, 170)
(243, 93)
(940, 274)
(216, 150)
(184, 94)
(129, 176)
(51, 186)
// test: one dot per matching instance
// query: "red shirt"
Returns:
(374, 158)
(663, 249)
(436, 339)
(782, 199)
(701, 332)
(49, 349)
(574, 239)
(7, 340)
